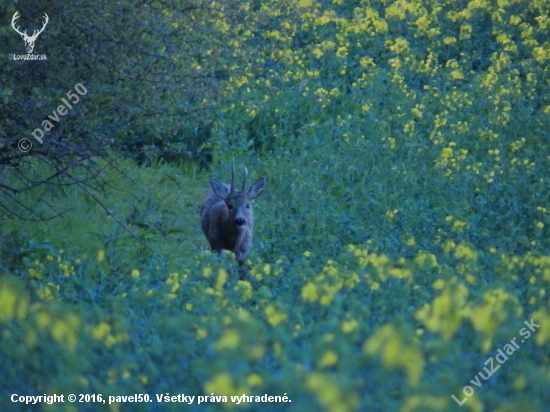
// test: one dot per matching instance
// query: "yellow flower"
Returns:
(426, 258)
(457, 74)
(395, 63)
(515, 20)
(274, 317)
(223, 384)
(400, 273)
(396, 10)
(390, 214)
(417, 113)
(135, 273)
(342, 52)
(371, 14)
(396, 352)
(459, 225)
(330, 395)
(463, 251)
(447, 152)
(14, 300)
(65, 330)
(201, 333)
(47, 293)
(309, 292)
(366, 61)
(423, 22)
(542, 317)
(448, 246)
(425, 402)
(440, 120)
(445, 313)
(321, 21)
(318, 53)
(439, 284)
(229, 340)
(349, 326)
(541, 54)
(35, 273)
(329, 358)
(222, 277)
(488, 316)
(67, 269)
(254, 380)
(381, 26)
(244, 288)
(401, 44)
(101, 331)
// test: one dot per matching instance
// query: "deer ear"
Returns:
(219, 189)
(257, 188)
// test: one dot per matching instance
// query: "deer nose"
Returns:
(239, 221)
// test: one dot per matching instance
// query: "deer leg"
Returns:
(243, 270)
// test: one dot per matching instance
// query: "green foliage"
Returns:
(152, 73)
(402, 239)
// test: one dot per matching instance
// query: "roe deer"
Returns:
(227, 219)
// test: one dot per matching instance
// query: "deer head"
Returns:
(29, 40)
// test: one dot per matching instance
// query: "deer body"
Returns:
(227, 217)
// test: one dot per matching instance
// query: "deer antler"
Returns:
(14, 18)
(37, 32)
(232, 190)
(24, 34)
(245, 170)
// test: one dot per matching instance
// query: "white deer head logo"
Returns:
(29, 40)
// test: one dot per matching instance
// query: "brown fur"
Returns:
(227, 218)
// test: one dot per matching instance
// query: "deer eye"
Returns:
(230, 206)
(248, 205)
